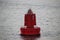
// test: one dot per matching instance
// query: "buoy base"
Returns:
(30, 31)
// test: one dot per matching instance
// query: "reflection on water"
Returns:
(30, 37)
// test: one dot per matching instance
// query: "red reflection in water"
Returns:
(30, 37)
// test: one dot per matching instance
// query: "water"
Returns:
(12, 18)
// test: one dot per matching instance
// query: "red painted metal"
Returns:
(29, 23)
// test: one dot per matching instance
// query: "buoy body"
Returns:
(29, 23)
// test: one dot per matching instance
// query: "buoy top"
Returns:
(30, 11)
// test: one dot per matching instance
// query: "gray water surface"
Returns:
(12, 18)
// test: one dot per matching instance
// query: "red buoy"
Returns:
(29, 23)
